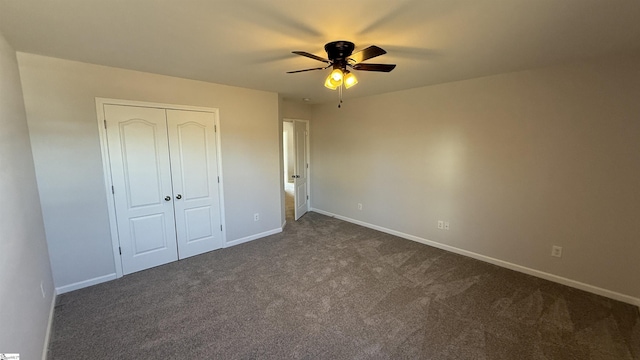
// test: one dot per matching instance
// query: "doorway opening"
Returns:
(289, 158)
(296, 167)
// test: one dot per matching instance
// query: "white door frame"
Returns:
(106, 168)
(308, 151)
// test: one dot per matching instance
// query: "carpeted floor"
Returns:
(327, 289)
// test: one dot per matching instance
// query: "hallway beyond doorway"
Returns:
(289, 201)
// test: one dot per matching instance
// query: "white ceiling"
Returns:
(248, 43)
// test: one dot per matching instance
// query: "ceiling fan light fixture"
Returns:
(340, 56)
(337, 75)
(334, 80)
(330, 84)
(349, 79)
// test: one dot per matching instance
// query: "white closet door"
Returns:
(192, 144)
(141, 175)
(300, 135)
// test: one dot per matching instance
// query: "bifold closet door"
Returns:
(164, 169)
(141, 176)
(192, 144)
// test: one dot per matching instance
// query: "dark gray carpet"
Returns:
(327, 289)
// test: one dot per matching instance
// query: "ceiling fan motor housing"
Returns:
(338, 52)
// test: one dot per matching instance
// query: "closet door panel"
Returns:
(141, 175)
(192, 145)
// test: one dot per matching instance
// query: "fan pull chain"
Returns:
(340, 96)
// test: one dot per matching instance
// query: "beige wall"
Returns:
(515, 162)
(24, 260)
(61, 111)
(295, 110)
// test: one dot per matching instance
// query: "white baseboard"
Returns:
(252, 237)
(85, 283)
(505, 264)
(47, 335)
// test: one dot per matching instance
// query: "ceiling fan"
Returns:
(340, 56)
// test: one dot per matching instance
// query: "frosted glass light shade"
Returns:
(334, 79)
(349, 80)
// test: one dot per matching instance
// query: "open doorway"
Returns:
(289, 196)
(296, 167)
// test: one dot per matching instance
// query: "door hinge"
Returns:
(215, 128)
(307, 166)
(113, 191)
(120, 250)
(218, 179)
(220, 227)
(307, 197)
(306, 133)
(105, 123)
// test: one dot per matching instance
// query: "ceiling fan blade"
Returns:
(374, 67)
(367, 53)
(297, 71)
(314, 57)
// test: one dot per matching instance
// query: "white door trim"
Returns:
(106, 168)
(308, 151)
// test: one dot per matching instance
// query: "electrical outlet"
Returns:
(446, 225)
(42, 289)
(256, 217)
(440, 224)
(556, 251)
(359, 206)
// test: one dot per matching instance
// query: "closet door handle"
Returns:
(167, 198)
(179, 197)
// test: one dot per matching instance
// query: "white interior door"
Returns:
(192, 144)
(141, 178)
(300, 141)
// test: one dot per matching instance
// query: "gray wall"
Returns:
(24, 263)
(516, 163)
(60, 104)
